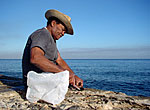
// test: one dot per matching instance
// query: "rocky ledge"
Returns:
(88, 99)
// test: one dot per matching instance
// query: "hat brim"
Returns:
(62, 18)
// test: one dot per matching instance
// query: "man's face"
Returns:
(58, 30)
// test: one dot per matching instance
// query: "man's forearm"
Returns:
(46, 65)
(64, 65)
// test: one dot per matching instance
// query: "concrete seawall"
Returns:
(11, 97)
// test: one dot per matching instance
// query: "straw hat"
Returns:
(62, 17)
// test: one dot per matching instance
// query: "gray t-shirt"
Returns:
(42, 39)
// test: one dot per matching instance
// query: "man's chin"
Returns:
(58, 38)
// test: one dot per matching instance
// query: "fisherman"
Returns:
(41, 53)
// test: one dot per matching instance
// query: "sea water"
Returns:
(130, 76)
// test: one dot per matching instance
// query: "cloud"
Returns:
(106, 53)
(91, 53)
(11, 55)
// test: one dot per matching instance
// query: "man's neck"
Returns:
(49, 29)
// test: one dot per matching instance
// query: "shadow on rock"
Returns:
(13, 83)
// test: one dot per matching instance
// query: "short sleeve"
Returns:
(40, 39)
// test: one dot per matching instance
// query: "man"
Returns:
(41, 54)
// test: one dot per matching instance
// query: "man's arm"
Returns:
(38, 59)
(74, 79)
(63, 64)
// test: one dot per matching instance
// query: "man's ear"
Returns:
(53, 23)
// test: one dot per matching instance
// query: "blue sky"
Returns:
(104, 29)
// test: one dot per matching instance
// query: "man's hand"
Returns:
(78, 82)
(75, 81)
(72, 79)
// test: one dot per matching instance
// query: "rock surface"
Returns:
(88, 99)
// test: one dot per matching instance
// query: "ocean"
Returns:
(130, 76)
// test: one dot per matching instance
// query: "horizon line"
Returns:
(88, 59)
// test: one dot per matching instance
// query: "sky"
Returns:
(103, 29)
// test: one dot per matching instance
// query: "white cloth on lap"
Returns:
(47, 86)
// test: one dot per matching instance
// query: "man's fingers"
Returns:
(80, 84)
(76, 87)
(76, 82)
(73, 83)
